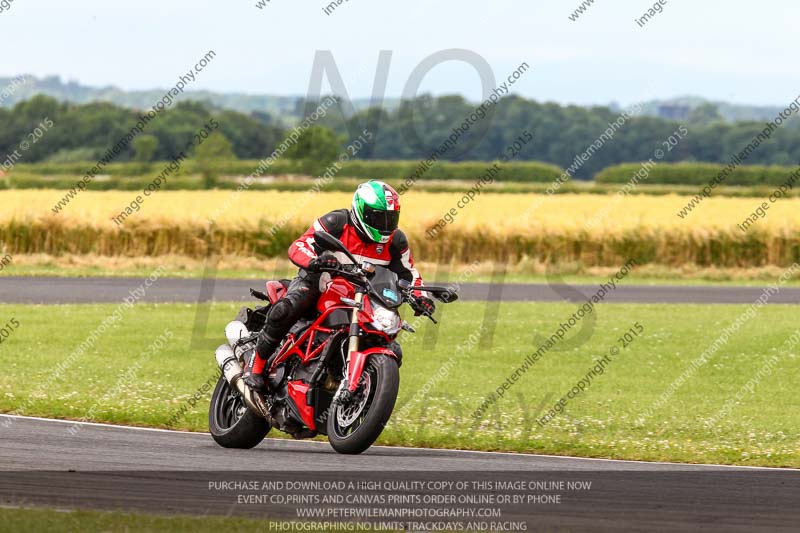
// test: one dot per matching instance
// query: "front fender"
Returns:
(357, 361)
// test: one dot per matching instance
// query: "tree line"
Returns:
(82, 132)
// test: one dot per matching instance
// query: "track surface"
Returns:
(109, 467)
(38, 444)
(54, 290)
(106, 467)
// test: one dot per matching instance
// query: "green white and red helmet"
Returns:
(376, 210)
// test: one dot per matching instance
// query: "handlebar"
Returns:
(356, 274)
(352, 271)
(360, 276)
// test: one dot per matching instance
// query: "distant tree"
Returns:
(317, 147)
(209, 153)
(251, 139)
(145, 148)
(263, 117)
(705, 115)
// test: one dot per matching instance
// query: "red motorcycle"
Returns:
(336, 373)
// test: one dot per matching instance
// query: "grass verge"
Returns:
(527, 271)
(762, 426)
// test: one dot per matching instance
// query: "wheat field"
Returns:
(500, 227)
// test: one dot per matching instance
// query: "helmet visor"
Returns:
(383, 221)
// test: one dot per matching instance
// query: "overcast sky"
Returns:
(740, 51)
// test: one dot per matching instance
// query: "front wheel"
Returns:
(353, 427)
(230, 422)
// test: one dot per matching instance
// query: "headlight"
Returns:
(385, 320)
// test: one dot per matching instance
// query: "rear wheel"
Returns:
(230, 422)
(353, 427)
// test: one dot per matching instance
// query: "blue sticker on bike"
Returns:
(389, 293)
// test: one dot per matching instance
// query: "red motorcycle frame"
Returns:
(339, 370)
(340, 294)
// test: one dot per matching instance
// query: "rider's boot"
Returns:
(258, 363)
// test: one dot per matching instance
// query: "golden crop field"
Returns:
(493, 226)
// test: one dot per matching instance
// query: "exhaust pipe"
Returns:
(232, 372)
(228, 364)
(236, 331)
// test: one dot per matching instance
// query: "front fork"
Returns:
(352, 346)
(345, 389)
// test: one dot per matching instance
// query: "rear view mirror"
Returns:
(326, 241)
(447, 297)
(442, 294)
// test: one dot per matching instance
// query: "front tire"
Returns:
(230, 422)
(353, 428)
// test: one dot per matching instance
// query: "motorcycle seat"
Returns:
(276, 290)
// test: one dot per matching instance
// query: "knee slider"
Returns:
(280, 312)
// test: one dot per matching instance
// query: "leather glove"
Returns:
(325, 262)
(424, 305)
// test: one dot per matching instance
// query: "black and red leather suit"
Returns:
(304, 290)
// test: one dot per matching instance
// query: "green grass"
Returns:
(192, 272)
(195, 269)
(67, 521)
(606, 421)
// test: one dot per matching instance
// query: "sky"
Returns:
(739, 51)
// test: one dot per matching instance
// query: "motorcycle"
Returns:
(336, 373)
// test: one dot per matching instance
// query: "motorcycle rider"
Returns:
(369, 231)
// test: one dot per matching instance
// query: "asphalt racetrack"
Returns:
(64, 465)
(56, 290)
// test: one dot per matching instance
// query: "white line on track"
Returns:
(443, 450)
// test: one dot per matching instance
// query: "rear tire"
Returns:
(230, 422)
(382, 382)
